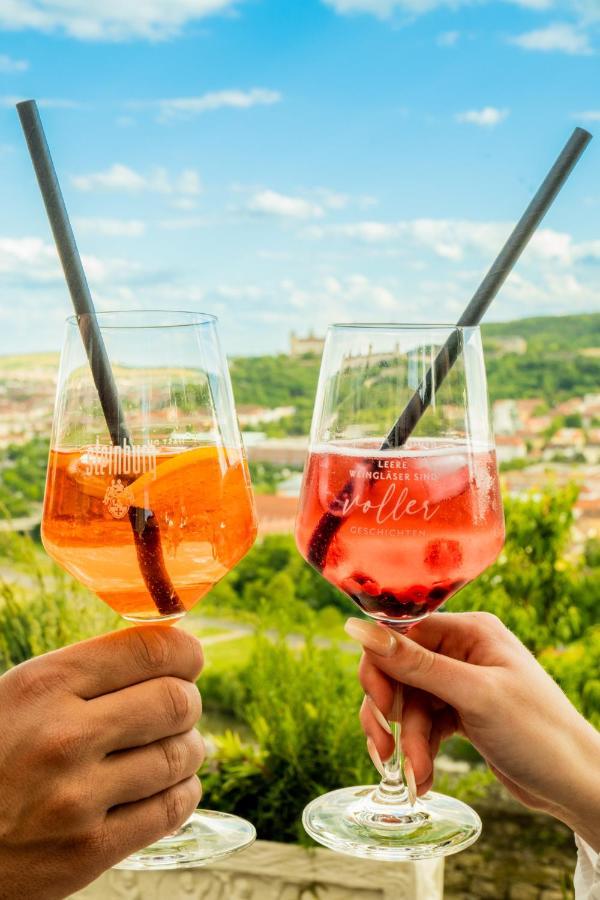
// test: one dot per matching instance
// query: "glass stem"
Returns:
(392, 785)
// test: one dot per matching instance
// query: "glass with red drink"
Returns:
(399, 529)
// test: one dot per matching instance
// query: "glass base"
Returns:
(205, 838)
(367, 821)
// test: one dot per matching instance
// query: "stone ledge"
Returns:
(271, 871)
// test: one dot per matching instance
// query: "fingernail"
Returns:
(411, 783)
(379, 716)
(374, 637)
(375, 757)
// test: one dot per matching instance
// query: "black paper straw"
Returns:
(329, 523)
(73, 269)
(145, 527)
(489, 287)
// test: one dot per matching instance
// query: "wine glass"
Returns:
(152, 511)
(399, 529)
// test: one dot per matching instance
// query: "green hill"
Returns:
(553, 367)
(551, 334)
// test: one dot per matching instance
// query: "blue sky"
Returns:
(286, 164)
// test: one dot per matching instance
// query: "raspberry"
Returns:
(359, 583)
(443, 554)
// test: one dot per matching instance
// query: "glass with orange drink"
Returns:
(152, 517)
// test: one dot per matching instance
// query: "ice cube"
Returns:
(446, 475)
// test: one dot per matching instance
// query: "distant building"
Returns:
(567, 442)
(291, 486)
(591, 451)
(500, 346)
(290, 451)
(569, 407)
(539, 424)
(310, 344)
(506, 419)
(509, 447)
(511, 416)
(256, 415)
(276, 515)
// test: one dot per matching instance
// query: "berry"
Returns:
(444, 555)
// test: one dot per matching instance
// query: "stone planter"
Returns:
(270, 871)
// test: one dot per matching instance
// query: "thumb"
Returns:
(453, 681)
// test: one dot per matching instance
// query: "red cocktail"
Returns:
(399, 512)
(415, 525)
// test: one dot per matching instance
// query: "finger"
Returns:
(445, 724)
(383, 741)
(136, 825)
(461, 635)
(458, 683)
(439, 629)
(417, 723)
(376, 685)
(144, 713)
(133, 775)
(114, 661)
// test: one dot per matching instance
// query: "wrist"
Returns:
(581, 811)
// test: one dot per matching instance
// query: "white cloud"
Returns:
(589, 10)
(333, 199)
(454, 239)
(591, 115)
(188, 107)
(380, 8)
(188, 183)
(488, 117)
(31, 260)
(271, 203)
(186, 204)
(108, 20)
(43, 102)
(535, 4)
(448, 38)
(184, 223)
(337, 298)
(111, 227)
(119, 177)
(559, 37)
(10, 66)
(446, 238)
(383, 9)
(107, 271)
(240, 291)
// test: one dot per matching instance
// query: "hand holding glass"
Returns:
(399, 530)
(152, 523)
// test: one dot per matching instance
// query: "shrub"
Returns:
(302, 708)
(46, 609)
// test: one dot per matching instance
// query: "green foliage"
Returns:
(273, 381)
(591, 553)
(577, 670)
(22, 477)
(274, 581)
(552, 368)
(544, 599)
(302, 710)
(574, 420)
(513, 465)
(45, 609)
(266, 477)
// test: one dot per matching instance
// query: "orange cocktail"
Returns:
(200, 500)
